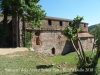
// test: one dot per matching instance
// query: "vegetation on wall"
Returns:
(28, 37)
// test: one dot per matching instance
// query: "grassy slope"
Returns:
(26, 64)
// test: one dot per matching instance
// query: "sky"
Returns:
(69, 9)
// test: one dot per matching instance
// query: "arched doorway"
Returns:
(53, 50)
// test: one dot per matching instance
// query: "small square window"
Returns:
(49, 22)
(60, 22)
(70, 23)
(37, 33)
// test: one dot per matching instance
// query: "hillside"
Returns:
(91, 27)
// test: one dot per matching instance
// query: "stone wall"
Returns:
(57, 24)
(51, 42)
(21, 34)
(50, 39)
(84, 28)
(87, 43)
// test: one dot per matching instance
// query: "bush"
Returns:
(28, 37)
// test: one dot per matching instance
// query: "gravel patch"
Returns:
(4, 51)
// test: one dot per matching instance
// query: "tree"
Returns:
(85, 62)
(96, 32)
(27, 9)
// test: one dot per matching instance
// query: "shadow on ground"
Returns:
(64, 73)
(44, 66)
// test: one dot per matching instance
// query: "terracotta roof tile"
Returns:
(85, 35)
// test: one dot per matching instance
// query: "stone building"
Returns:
(48, 39)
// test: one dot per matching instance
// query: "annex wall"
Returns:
(50, 42)
(87, 43)
(49, 38)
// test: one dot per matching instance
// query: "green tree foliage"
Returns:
(72, 30)
(96, 32)
(29, 10)
(85, 62)
(28, 37)
(92, 31)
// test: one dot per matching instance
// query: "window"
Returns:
(49, 22)
(70, 23)
(83, 38)
(37, 33)
(60, 22)
(53, 50)
(84, 25)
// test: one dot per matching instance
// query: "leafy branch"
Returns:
(71, 32)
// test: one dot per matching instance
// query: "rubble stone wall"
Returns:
(49, 40)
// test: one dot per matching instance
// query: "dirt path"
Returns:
(4, 51)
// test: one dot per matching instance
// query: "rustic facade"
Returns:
(48, 39)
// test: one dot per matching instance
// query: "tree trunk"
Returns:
(83, 54)
(78, 53)
(24, 43)
(98, 52)
(4, 31)
(17, 28)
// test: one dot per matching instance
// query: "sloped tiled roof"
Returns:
(85, 35)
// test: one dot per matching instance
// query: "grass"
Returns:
(19, 65)
(30, 63)
(66, 58)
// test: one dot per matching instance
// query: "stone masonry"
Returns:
(49, 39)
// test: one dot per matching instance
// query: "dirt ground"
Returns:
(4, 51)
